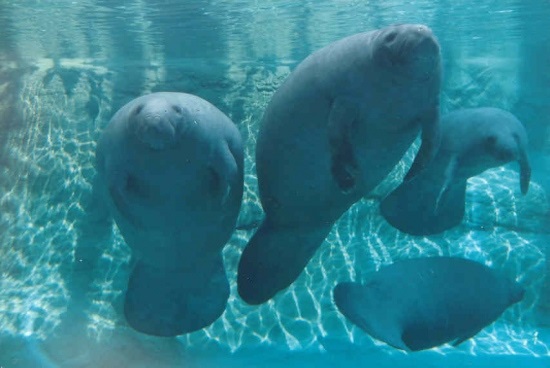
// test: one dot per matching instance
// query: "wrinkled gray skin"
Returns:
(170, 172)
(472, 141)
(422, 303)
(333, 130)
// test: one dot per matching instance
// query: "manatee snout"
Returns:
(158, 124)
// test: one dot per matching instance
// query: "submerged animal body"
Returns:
(333, 130)
(170, 171)
(422, 303)
(472, 141)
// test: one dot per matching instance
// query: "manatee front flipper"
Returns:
(421, 207)
(274, 258)
(127, 190)
(448, 177)
(225, 173)
(343, 165)
(431, 137)
(524, 170)
(167, 303)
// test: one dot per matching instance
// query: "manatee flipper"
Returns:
(224, 173)
(167, 303)
(524, 170)
(274, 258)
(431, 138)
(343, 166)
(447, 180)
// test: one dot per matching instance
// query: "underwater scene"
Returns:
(332, 183)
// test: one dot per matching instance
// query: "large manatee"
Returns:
(421, 303)
(334, 129)
(170, 171)
(472, 141)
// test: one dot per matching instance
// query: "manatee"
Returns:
(170, 173)
(332, 131)
(472, 141)
(418, 304)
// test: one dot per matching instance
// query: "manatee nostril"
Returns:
(176, 108)
(391, 36)
(138, 109)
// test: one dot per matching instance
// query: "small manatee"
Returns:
(422, 303)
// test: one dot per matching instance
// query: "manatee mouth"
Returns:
(424, 66)
(422, 60)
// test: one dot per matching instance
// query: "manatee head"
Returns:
(509, 143)
(157, 122)
(409, 50)
(502, 139)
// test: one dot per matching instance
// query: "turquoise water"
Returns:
(67, 66)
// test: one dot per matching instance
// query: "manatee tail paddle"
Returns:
(274, 258)
(170, 303)
(418, 207)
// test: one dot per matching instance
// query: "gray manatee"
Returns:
(170, 172)
(472, 141)
(421, 303)
(333, 130)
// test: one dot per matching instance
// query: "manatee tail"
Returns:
(417, 207)
(169, 303)
(274, 258)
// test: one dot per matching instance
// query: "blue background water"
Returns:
(67, 66)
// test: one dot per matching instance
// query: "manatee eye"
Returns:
(176, 108)
(138, 109)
